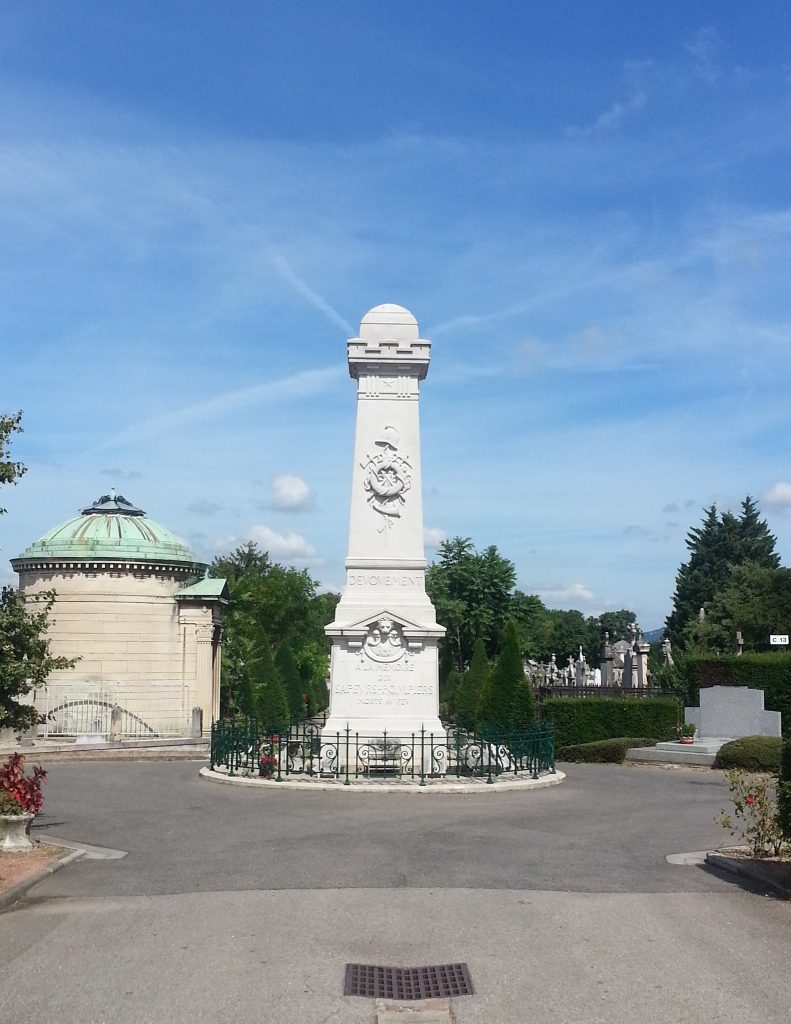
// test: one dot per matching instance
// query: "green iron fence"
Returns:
(240, 747)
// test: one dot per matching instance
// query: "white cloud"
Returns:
(290, 492)
(204, 507)
(612, 118)
(779, 494)
(433, 536)
(121, 474)
(704, 49)
(304, 384)
(564, 595)
(313, 298)
(291, 546)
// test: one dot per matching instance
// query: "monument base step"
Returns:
(701, 752)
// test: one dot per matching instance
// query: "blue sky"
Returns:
(587, 206)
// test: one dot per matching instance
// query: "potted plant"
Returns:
(685, 733)
(21, 798)
(267, 758)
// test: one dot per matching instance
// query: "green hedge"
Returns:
(611, 751)
(768, 672)
(588, 719)
(752, 753)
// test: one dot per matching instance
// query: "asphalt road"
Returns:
(237, 904)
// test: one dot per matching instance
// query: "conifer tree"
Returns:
(756, 542)
(448, 690)
(292, 682)
(525, 707)
(499, 708)
(472, 687)
(717, 546)
(271, 700)
(245, 697)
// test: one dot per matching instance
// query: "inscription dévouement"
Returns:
(363, 579)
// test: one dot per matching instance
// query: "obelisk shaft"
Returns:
(384, 656)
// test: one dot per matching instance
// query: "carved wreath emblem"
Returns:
(388, 476)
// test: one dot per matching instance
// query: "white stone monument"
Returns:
(384, 664)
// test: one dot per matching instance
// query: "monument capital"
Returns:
(389, 344)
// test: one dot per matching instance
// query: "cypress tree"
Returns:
(246, 696)
(291, 680)
(525, 707)
(472, 687)
(272, 703)
(448, 690)
(500, 708)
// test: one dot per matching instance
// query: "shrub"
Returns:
(755, 816)
(612, 751)
(784, 791)
(588, 719)
(751, 753)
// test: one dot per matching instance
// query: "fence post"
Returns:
(197, 722)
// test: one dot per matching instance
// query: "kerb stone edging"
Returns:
(380, 787)
(747, 869)
(16, 892)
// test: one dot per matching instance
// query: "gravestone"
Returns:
(384, 665)
(729, 712)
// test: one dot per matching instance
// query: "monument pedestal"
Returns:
(384, 668)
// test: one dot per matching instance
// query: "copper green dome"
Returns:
(110, 530)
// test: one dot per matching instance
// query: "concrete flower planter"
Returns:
(13, 833)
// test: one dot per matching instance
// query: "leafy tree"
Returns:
(617, 624)
(500, 705)
(473, 594)
(10, 471)
(285, 602)
(25, 659)
(472, 687)
(755, 600)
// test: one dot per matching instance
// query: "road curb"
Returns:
(382, 788)
(16, 892)
(749, 870)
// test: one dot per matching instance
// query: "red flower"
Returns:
(749, 800)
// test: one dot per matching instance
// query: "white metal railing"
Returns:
(118, 710)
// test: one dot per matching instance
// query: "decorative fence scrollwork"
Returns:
(238, 746)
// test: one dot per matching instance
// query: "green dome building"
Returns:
(134, 605)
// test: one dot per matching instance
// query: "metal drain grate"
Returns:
(435, 982)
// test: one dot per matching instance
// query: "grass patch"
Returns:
(751, 753)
